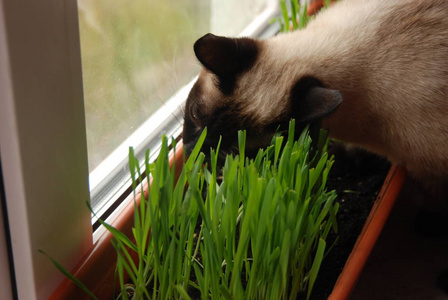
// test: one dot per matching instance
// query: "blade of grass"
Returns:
(70, 276)
(316, 266)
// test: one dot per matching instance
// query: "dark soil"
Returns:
(357, 176)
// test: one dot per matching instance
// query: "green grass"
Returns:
(257, 233)
(256, 229)
(294, 16)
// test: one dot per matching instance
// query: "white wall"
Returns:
(42, 138)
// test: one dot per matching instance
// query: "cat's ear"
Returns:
(225, 57)
(311, 101)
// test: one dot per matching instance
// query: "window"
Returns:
(135, 56)
(43, 136)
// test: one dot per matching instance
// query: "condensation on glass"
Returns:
(136, 54)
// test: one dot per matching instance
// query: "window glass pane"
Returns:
(136, 54)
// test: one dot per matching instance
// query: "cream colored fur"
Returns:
(389, 59)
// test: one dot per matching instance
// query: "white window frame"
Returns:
(43, 141)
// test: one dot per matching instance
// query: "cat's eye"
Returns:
(195, 114)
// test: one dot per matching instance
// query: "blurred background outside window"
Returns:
(136, 54)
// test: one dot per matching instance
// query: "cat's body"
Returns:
(376, 71)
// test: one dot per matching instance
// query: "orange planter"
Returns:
(369, 234)
(97, 268)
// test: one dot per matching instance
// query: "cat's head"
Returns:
(244, 87)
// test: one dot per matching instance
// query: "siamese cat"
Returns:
(375, 72)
